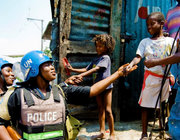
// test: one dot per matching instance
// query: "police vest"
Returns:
(42, 119)
(4, 113)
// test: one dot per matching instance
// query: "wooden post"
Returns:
(115, 28)
(64, 31)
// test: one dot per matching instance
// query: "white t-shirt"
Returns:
(154, 49)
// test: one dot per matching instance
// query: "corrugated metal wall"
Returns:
(88, 18)
(133, 25)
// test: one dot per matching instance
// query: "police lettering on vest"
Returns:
(42, 117)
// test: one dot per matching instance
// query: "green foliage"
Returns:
(48, 52)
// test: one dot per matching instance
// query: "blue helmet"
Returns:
(30, 63)
(4, 62)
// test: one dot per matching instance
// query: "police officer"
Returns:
(6, 80)
(38, 107)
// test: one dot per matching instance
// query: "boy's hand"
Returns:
(122, 68)
(78, 79)
(74, 80)
(69, 67)
(129, 67)
(66, 65)
(150, 63)
(126, 72)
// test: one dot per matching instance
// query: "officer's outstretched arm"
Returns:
(100, 86)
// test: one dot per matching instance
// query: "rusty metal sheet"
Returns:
(88, 18)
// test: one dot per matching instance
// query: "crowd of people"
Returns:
(34, 108)
(37, 109)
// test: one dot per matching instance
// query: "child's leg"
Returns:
(110, 118)
(101, 114)
(144, 119)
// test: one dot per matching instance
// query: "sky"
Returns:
(17, 34)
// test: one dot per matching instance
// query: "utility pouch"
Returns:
(73, 127)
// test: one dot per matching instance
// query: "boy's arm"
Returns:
(76, 70)
(89, 72)
(168, 60)
(79, 78)
(135, 61)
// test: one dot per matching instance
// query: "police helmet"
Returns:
(30, 63)
(3, 63)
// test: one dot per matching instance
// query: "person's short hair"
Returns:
(107, 40)
(158, 15)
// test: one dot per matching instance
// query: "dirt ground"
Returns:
(123, 130)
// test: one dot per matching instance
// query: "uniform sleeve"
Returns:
(14, 106)
(77, 94)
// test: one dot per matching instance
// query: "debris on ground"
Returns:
(123, 130)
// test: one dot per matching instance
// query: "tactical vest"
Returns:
(4, 113)
(42, 119)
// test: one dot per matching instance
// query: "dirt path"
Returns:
(123, 130)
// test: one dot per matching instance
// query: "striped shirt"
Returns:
(173, 21)
(171, 26)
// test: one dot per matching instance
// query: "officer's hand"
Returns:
(125, 70)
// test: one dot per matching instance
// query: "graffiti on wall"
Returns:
(143, 11)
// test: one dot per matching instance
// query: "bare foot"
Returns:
(101, 135)
(112, 137)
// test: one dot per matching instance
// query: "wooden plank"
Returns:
(85, 47)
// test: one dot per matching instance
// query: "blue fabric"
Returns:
(174, 119)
